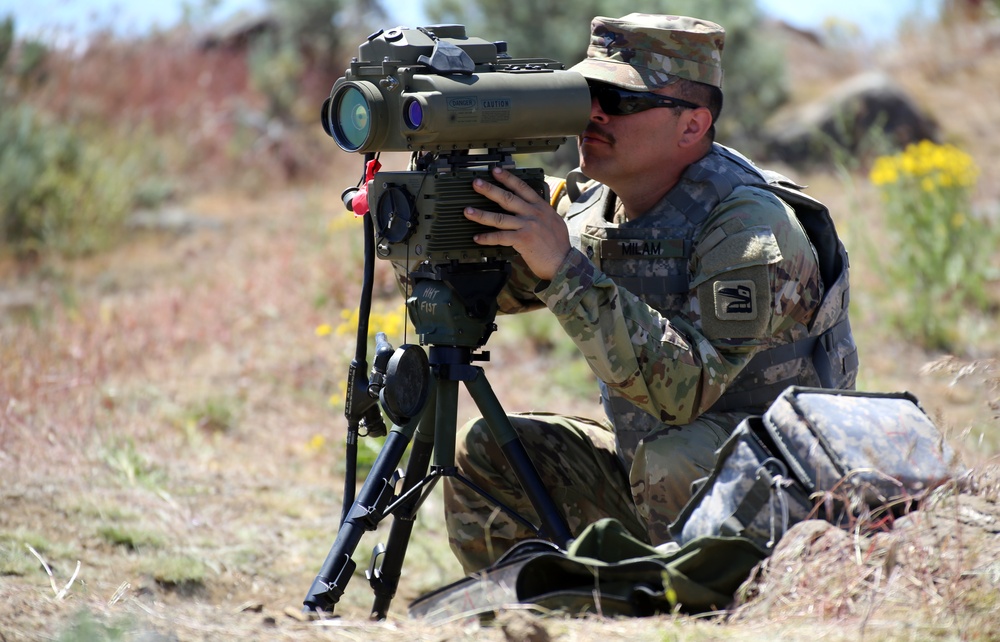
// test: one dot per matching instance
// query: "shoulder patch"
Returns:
(735, 300)
(737, 305)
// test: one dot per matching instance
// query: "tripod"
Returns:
(453, 307)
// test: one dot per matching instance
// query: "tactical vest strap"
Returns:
(574, 179)
(825, 354)
(720, 183)
(695, 210)
(822, 349)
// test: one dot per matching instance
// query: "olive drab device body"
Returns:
(461, 105)
(436, 89)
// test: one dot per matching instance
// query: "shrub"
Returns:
(276, 68)
(942, 255)
(57, 192)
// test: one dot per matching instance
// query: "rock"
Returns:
(170, 219)
(18, 301)
(523, 626)
(812, 540)
(846, 117)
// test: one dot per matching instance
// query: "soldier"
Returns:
(695, 293)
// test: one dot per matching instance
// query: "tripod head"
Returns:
(455, 304)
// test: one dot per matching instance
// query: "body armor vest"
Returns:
(650, 257)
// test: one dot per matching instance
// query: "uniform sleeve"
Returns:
(518, 294)
(751, 273)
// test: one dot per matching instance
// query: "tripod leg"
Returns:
(446, 409)
(364, 515)
(554, 524)
(385, 579)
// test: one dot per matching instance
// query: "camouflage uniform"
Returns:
(669, 309)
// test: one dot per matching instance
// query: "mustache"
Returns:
(596, 130)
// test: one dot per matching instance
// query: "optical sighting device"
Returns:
(462, 105)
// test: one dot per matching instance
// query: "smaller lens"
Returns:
(414, 114)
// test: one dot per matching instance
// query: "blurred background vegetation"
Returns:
(237, 105)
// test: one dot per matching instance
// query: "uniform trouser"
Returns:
(580, 467)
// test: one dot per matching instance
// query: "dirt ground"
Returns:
(171, 450)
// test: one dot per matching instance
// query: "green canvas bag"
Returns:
(605, 571)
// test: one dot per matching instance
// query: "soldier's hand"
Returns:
(532, 227)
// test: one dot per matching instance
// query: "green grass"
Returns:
(540, 333)
(131, 466)
(86, 627)
(181, 573)
(17, 559)
(131, 538)
(207, 419)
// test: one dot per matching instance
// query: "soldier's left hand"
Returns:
(532, 226)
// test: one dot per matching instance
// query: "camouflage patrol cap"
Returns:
(643, 51)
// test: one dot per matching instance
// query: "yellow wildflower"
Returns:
(341, 222)
(929, 164)
(884, 171)
(316, 443)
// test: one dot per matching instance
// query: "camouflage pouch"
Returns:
(832, 454)
(749, 493)
(860, 448)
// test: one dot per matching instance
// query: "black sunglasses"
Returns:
(615, 101)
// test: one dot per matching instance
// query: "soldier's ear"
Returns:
(694, 124)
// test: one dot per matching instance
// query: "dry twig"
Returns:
(59, 593)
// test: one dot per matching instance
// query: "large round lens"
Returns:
(354, 119)
(414, 114)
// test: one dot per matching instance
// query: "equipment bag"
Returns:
(605, 571)
(832, 454)
(749, 493)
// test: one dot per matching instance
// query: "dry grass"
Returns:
(935, 570)
(165, 415)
